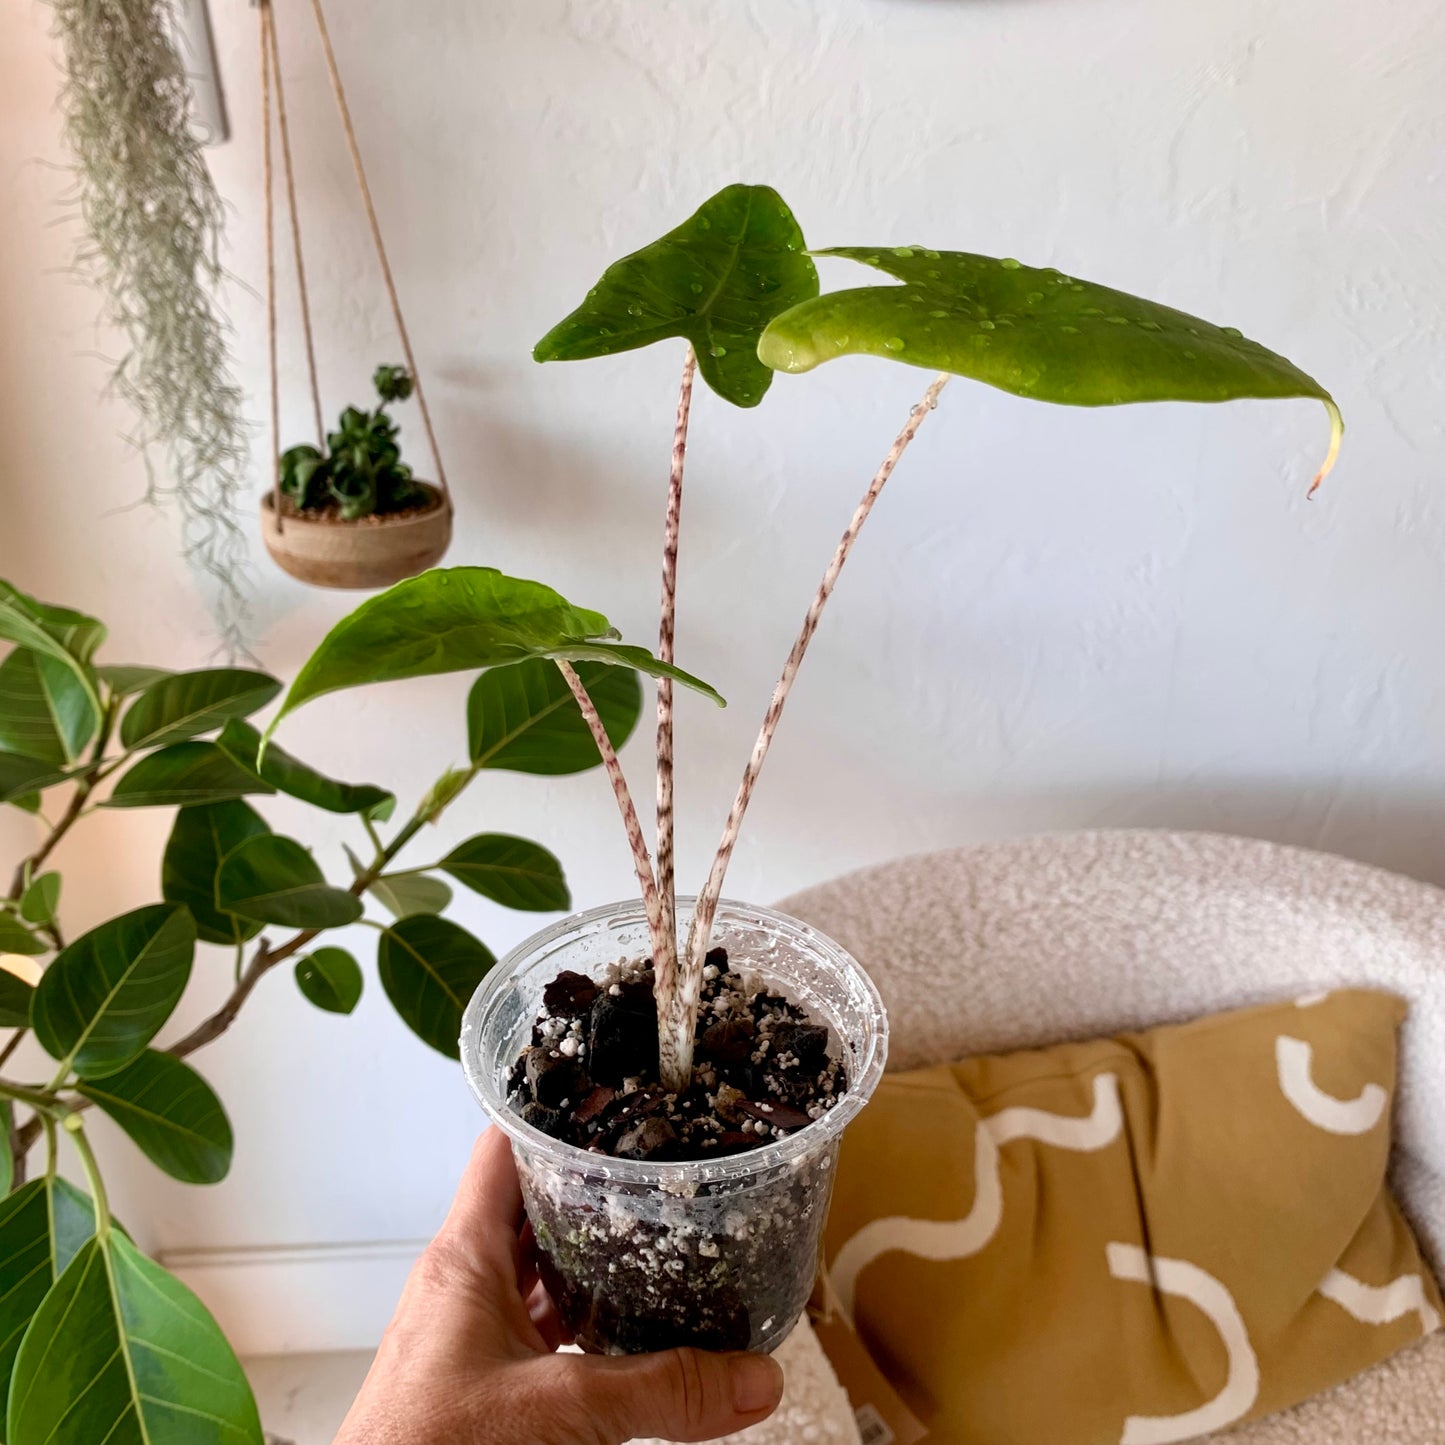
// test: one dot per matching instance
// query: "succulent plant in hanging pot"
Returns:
(675, 1072)
(352, 514)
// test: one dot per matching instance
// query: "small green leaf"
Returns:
(184, 774)
(71, 638)
(122, 1352)
(718, 279)
(44, 710)
(407, 893)
(188, 703)
(42, 1227)
(1035, 333)
(171, 1114)
(16, 938)
(514, 872)
(331, 979)
(123, 680)
(41, 900)
(21, 775)
(107, 994)
(459, 619)
(442, 793)
(524, 718)
(27, 802)
(275, 880)
(299, 780)
(429, 968)
(200, 837)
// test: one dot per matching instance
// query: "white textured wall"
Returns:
(1057, 618)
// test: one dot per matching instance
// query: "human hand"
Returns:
(468, 1358)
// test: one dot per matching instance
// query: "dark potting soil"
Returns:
(761, 1067)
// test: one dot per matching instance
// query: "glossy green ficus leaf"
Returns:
(16, 938)
(182, 775)
(171, 1114)
(331, 979)
(271, 879)
(459, 619)
(44, 710)
(429, 968)
(403, 894)
(22, 775)
(524, 718)
(201, 836)
(717, 280)
(123, 679)
(186, 704)
(122, 1352)
(40, 902)
(71, 638)
(300, 780)
(107, 994)
(514, 872)
(1035, 333)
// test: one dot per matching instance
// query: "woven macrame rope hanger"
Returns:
(273, 101)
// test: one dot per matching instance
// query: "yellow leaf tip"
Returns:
(1337, 436)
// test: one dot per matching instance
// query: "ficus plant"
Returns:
(97, 1342)
(736, 284)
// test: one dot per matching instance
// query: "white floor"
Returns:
(303, 1398)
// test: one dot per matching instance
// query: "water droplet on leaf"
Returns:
(986, 325)
(634, 310)
(717, 351)
(905, 251)
(1118, 320)
(938, 314)
(1009, 264)
(1233, 331)
(1070, 330)
(696, 288)
(894, 343)
(1034, 297)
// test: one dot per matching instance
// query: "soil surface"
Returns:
(331, 513)
(761, 1068)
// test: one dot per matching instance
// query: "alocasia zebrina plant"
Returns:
(736, 284)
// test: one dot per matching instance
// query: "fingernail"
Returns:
(757, 1382)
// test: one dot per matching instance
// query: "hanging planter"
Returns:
(346, 512)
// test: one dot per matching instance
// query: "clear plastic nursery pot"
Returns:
(717, 1253)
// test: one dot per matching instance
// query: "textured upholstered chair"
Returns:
(1028, 942)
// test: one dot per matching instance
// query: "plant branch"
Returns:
(665, 947)
(707, 902)
(7, 1053)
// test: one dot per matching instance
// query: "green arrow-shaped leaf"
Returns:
(524, 718)
(514, 872)
(42, 1226)
(429, 968)
(172, 1115)
(1036, 333)
(184, 774)
(22, 775)
(718, 279)
(275, 880)
(331, 979)
(406, 893)
(299, 780)
(123, 1353)
(44, 709)
(459, 619)
(106, 995)
(201, 836)
(189, 703)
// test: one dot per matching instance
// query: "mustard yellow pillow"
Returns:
(1139, 1240)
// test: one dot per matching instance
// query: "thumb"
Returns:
(677, 1395)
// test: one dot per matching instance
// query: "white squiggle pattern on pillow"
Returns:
(1381, 1304)
(1294, 1059)
(962, 1238)
(1241, 1387)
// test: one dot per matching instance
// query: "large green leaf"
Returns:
(189, 703)
(44, 709)
(184, 774)
(514, 872)
(275, 880)
(718, 279)
(201, 836)
(16, 938)
(429, 968)
(1036, 333)
(105, 996)
(459, 619)
(71, 638)
(331, 979)
(42, 1227)
(299, 780)
(22, 775)
(524, 718)
(172, 1115)
(122, 1353)
(406, 893)
(123, 679)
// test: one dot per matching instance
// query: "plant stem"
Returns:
(706, 910)
(76, 1130)
(8, 1051)
(41, 1099)
(665, 946)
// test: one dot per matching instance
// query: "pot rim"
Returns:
(679, 1176)
(442, 507)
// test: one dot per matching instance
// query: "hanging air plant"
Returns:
(153, 224)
